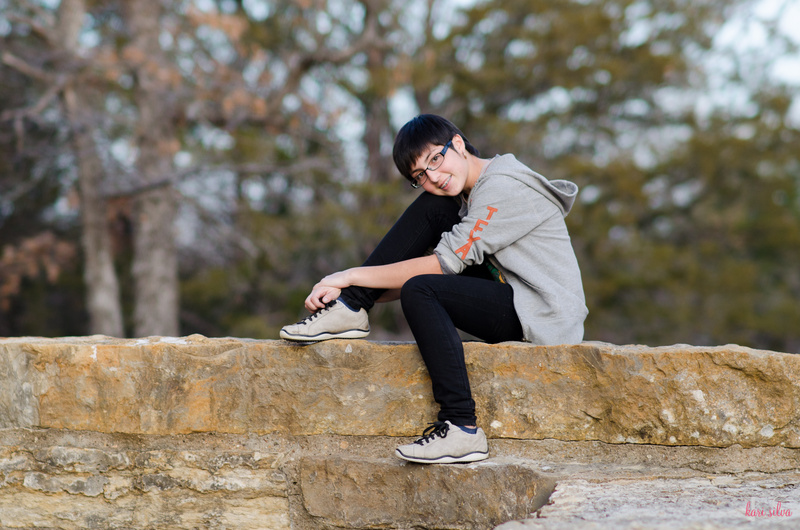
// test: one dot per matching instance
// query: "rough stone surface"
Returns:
(676, 395)
(193, 432)
(709, 503)
(80, 479)
(583, 458)
(359, 493)
(125, 485)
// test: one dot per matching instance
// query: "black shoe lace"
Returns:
(317, 313)
(437, 428)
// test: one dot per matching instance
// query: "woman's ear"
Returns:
(459, 145)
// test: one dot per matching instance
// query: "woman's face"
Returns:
(450, 177)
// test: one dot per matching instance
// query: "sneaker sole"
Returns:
(469, 457)
(349, 334)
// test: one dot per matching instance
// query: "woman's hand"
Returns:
(320, 296)
(328, 289)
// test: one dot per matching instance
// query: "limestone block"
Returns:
(76, 487)
(170, 509)
(673, 395)
(384, 493)
(19, 407)
(182, 385)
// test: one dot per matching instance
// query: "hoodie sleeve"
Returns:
(503, 211)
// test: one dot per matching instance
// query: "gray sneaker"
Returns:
(334, 321)
(445, 443)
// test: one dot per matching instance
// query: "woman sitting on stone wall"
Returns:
(502, 269)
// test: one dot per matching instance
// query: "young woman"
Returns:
(502, 269)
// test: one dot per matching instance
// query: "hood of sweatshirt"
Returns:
(562, 193)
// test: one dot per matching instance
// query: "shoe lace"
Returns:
(437, 428)
(318, 312)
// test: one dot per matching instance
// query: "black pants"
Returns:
(436, 306)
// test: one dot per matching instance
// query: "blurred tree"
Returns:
(263, 129)
(155, 258)
(237, 81)
(38, 64)
(289, 174)
(372, 79)
(100, 278)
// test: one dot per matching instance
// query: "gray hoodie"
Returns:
(514, 218)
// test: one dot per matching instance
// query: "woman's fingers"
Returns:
(320, 296)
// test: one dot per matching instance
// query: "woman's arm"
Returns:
(391, 276)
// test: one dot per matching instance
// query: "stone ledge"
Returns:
(194, 432)
(675, 395)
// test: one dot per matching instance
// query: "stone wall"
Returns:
(194, 432)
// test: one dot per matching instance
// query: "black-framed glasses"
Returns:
(436, 162)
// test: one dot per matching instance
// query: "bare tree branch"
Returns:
(35, 109)
(18, 115)
(23, 188)
(301, 63)
(300, 167)
(31, 71)
(57, 83)
(43, 31)
(223, 231)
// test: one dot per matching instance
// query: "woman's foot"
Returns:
(334, 321)
(445, 443)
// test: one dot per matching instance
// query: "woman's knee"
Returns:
(430, 205)
(415, 289)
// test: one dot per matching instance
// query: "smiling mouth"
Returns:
(446, 182)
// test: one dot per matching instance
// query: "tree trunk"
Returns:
(155, 261)
(376, 133)
(378, 130)
(102, 286)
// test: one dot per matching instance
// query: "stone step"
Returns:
(751, 500)
(78, 479)
(632, 487)
(676, 395)
(347, 492)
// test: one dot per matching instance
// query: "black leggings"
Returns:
(435, 305)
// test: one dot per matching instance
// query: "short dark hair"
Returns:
(418, 134)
